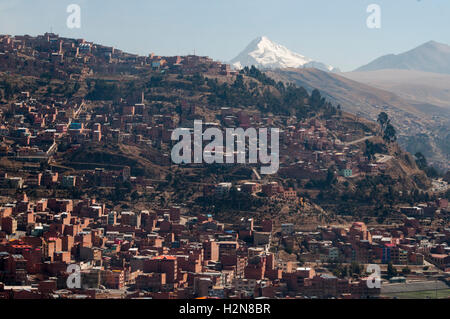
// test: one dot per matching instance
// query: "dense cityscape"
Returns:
(86, 179)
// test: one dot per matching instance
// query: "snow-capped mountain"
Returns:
(266, 54)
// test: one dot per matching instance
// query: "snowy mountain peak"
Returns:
(264, 53)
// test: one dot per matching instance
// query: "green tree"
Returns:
(406, 271)
(390, 134)
(331, 177)
(355, 268)
(421, 161)
(391, 271)
(383, 119)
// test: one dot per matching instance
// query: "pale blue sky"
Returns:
(330, 31)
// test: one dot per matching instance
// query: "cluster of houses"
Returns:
(160, 253)
(170, 252)
(77, 58)
(410, 242)
(270, 190)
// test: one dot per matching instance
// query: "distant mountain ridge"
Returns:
(428, 57)
(266, 54)
(412, 85)
(412, 118)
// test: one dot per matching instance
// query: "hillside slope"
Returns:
(414, 120)
(413, 86)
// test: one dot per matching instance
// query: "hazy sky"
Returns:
(330, 31)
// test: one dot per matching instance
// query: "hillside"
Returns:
(414, 120)
(137, 102)
(414, 86)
